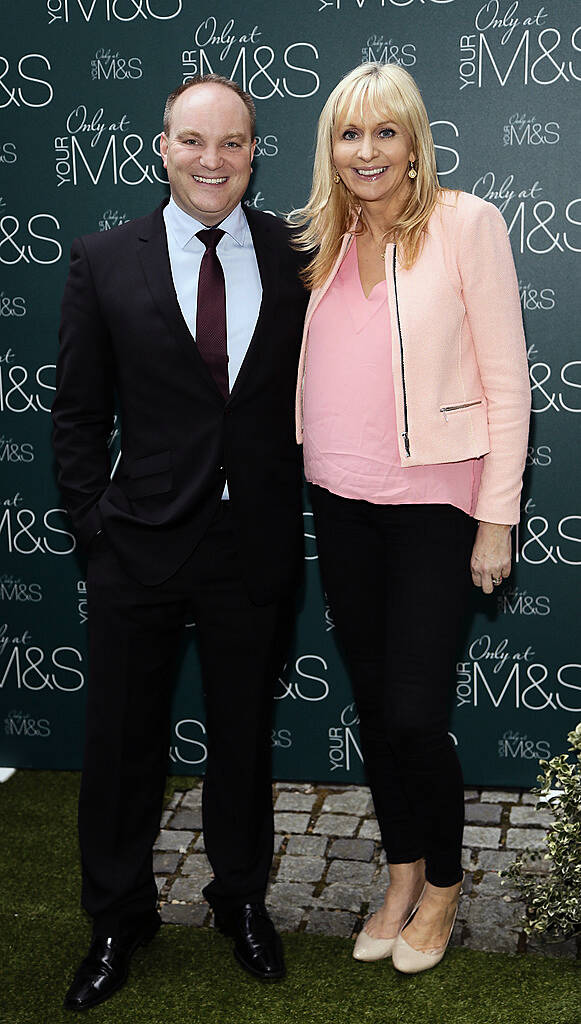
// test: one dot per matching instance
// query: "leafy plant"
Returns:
(553, 897)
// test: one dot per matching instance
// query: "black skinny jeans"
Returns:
(398, 582)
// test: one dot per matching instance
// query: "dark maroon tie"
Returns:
(211, 311)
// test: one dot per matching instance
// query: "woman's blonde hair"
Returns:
(331, 209)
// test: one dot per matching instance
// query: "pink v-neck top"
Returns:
(350, 432)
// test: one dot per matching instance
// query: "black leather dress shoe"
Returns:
(106, 966)
(257, 946)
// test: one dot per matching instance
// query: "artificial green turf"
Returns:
(188, 976)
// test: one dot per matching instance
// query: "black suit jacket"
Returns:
(124, 343)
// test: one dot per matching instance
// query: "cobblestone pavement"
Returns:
(329, 869)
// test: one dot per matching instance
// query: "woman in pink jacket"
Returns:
(413, 405)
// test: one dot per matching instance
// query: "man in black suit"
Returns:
(196, 332)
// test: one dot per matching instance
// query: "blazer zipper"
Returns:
(445, 409)
(405, 434)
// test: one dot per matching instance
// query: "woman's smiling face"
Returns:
(372, 157)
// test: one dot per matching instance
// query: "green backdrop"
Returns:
(82, 87)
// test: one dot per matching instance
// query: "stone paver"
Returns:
(492, 884)
(370, 830)
(541, 818)
(382, 880)
(494, 860)
(307, 846)
(300, 787)
(493, 924)
(165, 863)
(293, 894)
(331, 922)
(189, 819)
(196, 864)
(174, 913)
(377, 893)
(189, 890)
(497, 796)
(342, 896)
(300, 869)
(463, 908)
(192, 799)
(352, 849)
(286, 919)
(469, 858)
(474, 835)
(170, 840)
(349, 803)
(329, 870)
(291, 822)
(336, 825)
(295, 801)
(351, 872)
(525, 838)
(484, 814)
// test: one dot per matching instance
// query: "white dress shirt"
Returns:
(243, 285)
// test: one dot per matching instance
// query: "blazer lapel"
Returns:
(153, 255)
(267, 257)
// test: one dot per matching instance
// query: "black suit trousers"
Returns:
(135, 636)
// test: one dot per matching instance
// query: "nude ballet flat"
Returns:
(368, 949)
(408, 960)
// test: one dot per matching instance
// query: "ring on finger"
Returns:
(497, 580)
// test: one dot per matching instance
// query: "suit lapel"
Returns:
(153, 255)
(267, 257)
(154, 258)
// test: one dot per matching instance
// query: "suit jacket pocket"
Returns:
(149, 475)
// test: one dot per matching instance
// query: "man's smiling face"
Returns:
(208, 152)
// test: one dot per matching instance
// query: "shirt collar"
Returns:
(184, 228)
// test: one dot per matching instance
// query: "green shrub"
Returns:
(553, 897)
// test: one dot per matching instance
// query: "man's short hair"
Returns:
(210, 80)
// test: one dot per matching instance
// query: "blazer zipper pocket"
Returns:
(445, 409)
(405, 433)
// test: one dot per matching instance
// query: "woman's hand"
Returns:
(490, 560)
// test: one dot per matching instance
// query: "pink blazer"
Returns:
(460, 370)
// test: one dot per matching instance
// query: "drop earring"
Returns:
(336, 178)
(412, 173)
